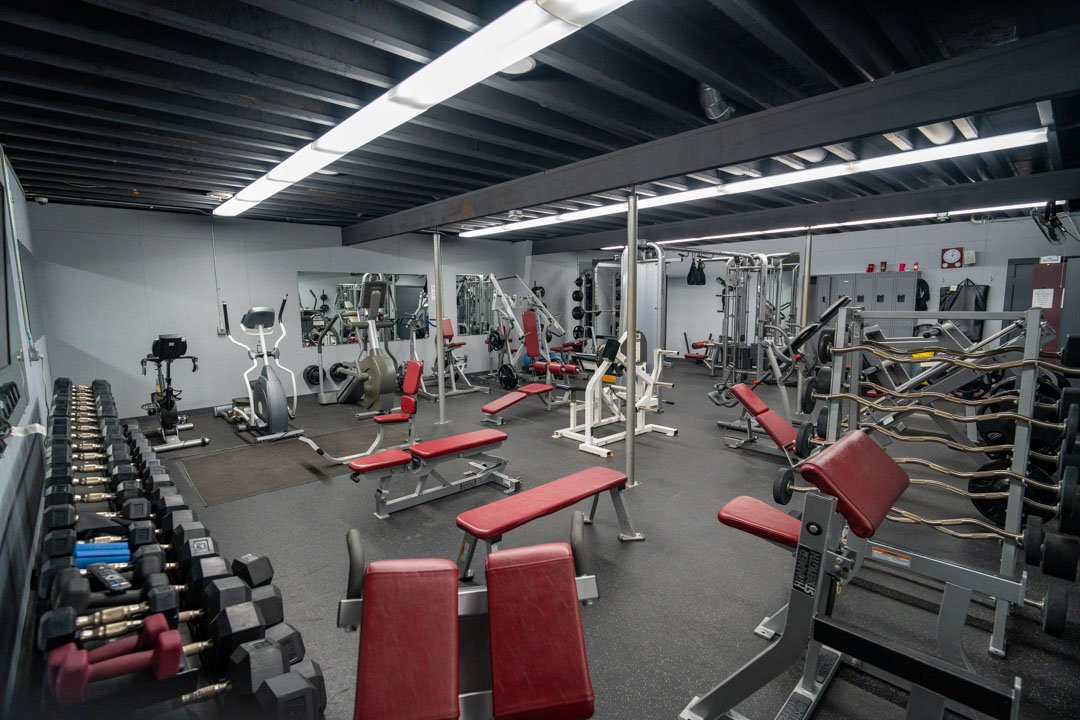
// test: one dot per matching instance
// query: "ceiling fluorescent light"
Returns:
(524, 30)
(823, 172)
(232, 208)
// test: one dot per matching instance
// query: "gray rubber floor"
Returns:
(677, 611)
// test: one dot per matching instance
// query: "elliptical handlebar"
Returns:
(281, 313)
(225, 315)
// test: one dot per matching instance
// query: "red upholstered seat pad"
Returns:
(408, 666)
(501, 516)
(501, 403)
(695, 356)
(865, 481)
(457, 443)
(455, 344)
(380, 461)
(749, 399)
(539, 665)
(535, 388)
(777, 428)
(391, 418)
(759, 518)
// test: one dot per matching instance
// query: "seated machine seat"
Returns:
(453, 345)
(408, 666)
(865, 481)
(456, 443)
(496, 519)
(759, 518)
(390, 418)
(380, 461)
(539, 665)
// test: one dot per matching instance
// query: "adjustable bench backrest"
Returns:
(410, 385)
(532, 333)
(777, 428)
(447, 329)
(865, 481)
(408, 666)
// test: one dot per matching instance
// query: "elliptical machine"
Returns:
(266, 411)
(164, 351)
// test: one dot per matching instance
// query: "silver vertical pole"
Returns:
(804, 302)
(629, 302)
(440, 360)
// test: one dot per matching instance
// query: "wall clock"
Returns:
(952, 257)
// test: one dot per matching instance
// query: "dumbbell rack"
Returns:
(853, 325)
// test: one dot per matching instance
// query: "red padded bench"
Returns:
(490, 522)
(775, 426)
(414, 643)
(417, 466)
(492, 409)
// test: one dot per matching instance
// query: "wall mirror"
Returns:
(474, 305)
(332, 304)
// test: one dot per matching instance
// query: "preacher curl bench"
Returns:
(856, 485)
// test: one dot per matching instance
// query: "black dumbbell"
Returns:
(64, 494)
(66, 515)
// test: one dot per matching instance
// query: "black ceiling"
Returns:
(167, 103)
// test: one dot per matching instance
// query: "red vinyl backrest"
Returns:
(411, 383)
(865, 481)
(532, 333)
(408, 404)
(447, 329)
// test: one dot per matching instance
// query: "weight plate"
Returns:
(382, 379)
(579, 281)
(807, 402)
(1069, 396)
(577, 313)
(825, 345)
(538, 291)
(994, 510)
(579, 332)
(1055, 611)
(1070, 352)
(1047, 391)
(1060, 554)
(822, 425)
(823, 379)
(1069, 504)
(336, 372)
(577, 296)
(1072, 426)
(803, 447)
(507, 377)
(311, 375)
(1034, 534)
(495, 340)
(782, 484)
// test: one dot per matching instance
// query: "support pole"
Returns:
(440, 359)
(804, 304)
(629, 301)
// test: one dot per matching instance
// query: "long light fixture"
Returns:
(526, 29)
(852, 223)
(854, 167)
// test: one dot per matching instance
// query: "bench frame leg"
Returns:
(627, 533)
(468, 551)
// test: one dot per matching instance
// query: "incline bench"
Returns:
(856, 484)
(417, 464)
(490, 522)
(514, 650)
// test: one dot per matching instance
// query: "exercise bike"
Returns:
(266, 411)
(164, 351)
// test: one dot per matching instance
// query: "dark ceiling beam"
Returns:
(784, 32)
(669, 37)
(1061, 184)
(898, 24)
(855, 36)
(1014, 74)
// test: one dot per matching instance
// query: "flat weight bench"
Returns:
(490, 522)
(492, 409)
(856, 486)
(418, 463)
(514, 650)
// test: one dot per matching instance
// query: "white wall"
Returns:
(693, 309)
(112, 280)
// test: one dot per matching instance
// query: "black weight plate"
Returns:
(994, 510)
(577, 296)
(1069, 396)
(311, 375)
(337, 373)
(807, 401)
(825, 345)
(579, 281)
(1070, 351)
(495, 340)
(578, 332)
(1047, 391)
(823, 379)
(782, 484)
(1069, 503)
(577, 313)
(1034, 535)
(822, 425)
(1055, 611)
(803, 447)
(508, 378)
(1060, 554)
(538, 291)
